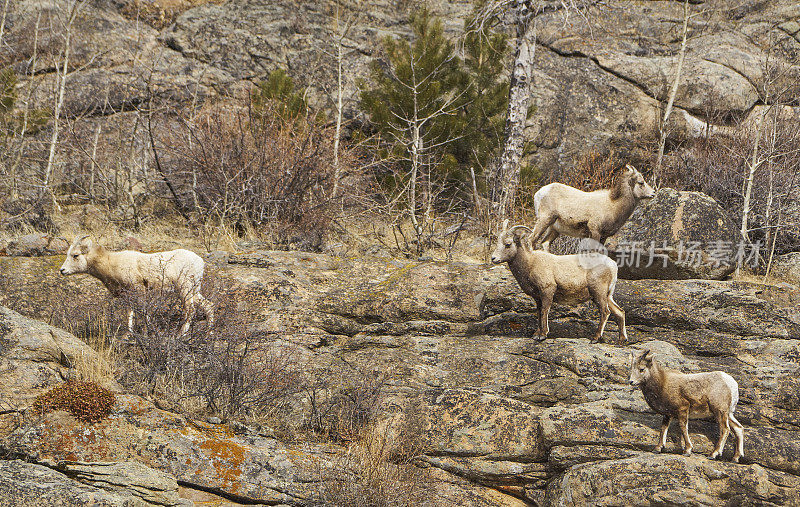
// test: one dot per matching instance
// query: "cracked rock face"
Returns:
(596, 83)
(502, 418)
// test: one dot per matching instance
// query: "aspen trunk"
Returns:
(504, 176)
(673, 92)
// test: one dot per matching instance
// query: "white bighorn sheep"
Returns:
(128, 270)
(568, 279)
(562, 209)
(683, 396)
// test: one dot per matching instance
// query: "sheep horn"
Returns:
(521, 227)
(80, 240)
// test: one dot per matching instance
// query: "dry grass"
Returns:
(99, 367)
(375, 471)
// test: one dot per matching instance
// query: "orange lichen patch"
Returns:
(87, 401)
(226, 458)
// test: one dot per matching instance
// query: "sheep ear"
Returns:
(85, 243)
(648, 357)
(630, 169)
(505, 224)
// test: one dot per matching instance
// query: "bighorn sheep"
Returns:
(568, 279)
(683, 396)
(128, 270)
(562, 209)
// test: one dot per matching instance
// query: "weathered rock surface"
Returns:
(786, 268)
(598, 81)
(502, 418)
(27, 484)
(36, 244)
(677, 236)
(127, 478)
(35, 356)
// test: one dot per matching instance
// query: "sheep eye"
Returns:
(74, 256)
(641, 370)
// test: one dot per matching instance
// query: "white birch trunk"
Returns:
(673, 92)
(504, 178)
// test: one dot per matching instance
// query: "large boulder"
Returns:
(649, 479)
(28, 484)
(786, 268)
(677, 236)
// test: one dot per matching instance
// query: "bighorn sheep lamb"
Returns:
(562, 209)
(135, 271)
(695, 395)
(568, 279)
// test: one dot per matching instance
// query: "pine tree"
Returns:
(278, 91)
(485, 51)
(462, 102)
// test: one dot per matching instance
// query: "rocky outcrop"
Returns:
(786, 268)
(500, 418)
(598, 81)
(28, 484)
(127, 478)
(680, 235)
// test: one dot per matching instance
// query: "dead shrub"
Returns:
(718, 164)
(595, 170)
(374, 472)
(228, 370)
(256, 171)
(87, 401)
(340, 410)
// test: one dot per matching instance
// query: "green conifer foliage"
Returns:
(278, 91)
(461, 102)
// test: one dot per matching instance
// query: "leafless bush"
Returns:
(595, 170)
(255, 170)
(717, 165)
(374, 473)
(342, 412)
(227, 370)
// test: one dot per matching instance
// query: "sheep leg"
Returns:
(543, 223)
(188, 315)
(544, 314)
(549, 235)
(738, 430)
(662, 439)
(130, 320)
(619, 317)
(683, 421)
(207, 307)
(724, 430)
(604, 314)
(538, 333)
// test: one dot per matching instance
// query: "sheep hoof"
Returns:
(687, 453)
(736, 459)
(657, 449)
(713, 455)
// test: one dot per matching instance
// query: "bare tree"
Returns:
(504, 175)
(673, 92)
(61, 82)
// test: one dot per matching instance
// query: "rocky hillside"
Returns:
(600, 76)
(498, 418)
